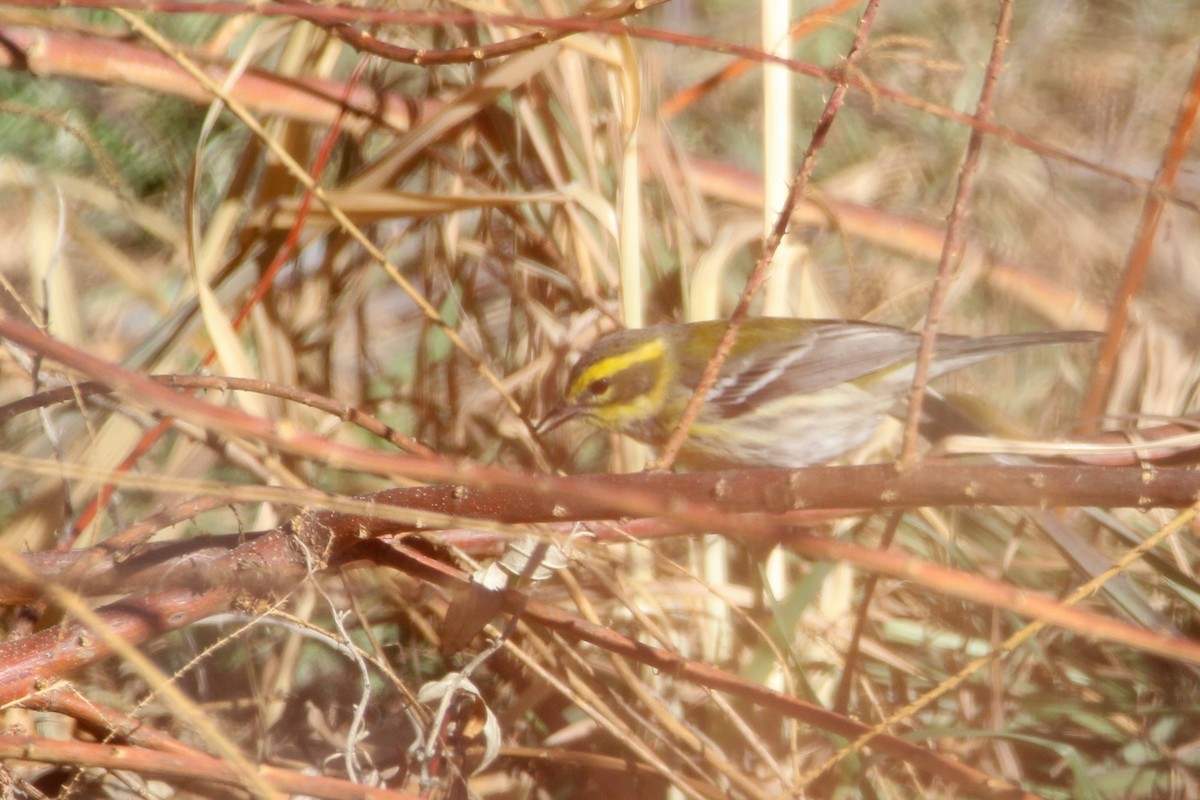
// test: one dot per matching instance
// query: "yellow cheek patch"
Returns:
(615, 364)
(611, 417)
(620, 416)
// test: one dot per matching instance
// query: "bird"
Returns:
(792, 392)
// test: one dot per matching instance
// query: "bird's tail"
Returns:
(955, 352)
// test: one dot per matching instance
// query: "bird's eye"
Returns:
(598, 387)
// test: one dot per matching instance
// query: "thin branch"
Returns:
(954, 242)
(1138, 260)
(762, 267)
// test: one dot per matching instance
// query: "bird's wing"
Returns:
(828, 355)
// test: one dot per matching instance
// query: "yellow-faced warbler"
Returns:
(792, 392)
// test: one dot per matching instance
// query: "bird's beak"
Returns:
(557, 416)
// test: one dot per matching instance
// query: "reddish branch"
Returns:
(118, 62)
(46, 52)
(702, 502)
(197, 767)
(748, 505)
(1138, 261)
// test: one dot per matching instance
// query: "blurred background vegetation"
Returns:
(138, 216)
